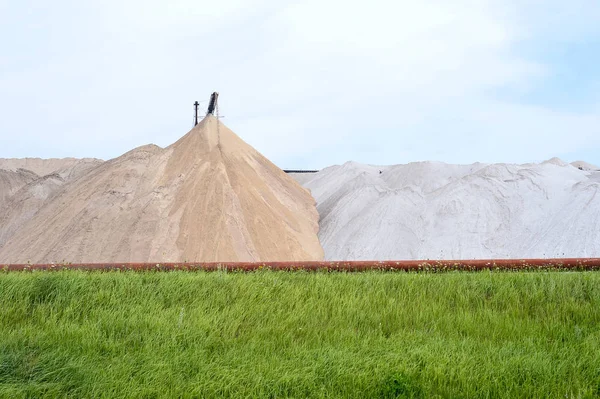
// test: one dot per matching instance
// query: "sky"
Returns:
(307, 83)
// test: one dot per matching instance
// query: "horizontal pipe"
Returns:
(349, 266)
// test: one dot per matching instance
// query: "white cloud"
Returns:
(309, 83)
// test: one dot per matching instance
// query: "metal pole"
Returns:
(196, 104)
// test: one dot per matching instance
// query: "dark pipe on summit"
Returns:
(213, 103)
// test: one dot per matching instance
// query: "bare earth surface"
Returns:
(207, 197)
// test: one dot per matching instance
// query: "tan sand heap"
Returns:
(23, 202)
(207, 197)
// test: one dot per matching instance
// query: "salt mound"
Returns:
(207, 197)
(556, 161)
(430, 210)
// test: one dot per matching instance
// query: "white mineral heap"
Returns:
(432, 210)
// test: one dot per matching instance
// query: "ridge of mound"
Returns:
(42, 167)
(207, 197)
(582, 165)
(555, 161)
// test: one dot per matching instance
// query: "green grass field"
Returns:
(298, 334)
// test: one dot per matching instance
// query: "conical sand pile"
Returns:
(207, 197)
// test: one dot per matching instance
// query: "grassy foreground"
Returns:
(277, 334)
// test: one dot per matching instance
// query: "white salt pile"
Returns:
(431, 210)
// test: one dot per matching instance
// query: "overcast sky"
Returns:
(307, 83)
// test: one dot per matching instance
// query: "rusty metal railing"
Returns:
(345, 266)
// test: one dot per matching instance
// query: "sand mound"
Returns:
(13, 181)
(22, 204)
(207, 197)
(430, 210)
(43, 167)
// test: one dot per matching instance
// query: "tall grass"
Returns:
(277, 334)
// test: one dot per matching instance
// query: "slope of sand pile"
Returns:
(22, 204)
(13, 181)
(207, 197)
(430, 210)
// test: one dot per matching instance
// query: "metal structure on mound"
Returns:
(300, 171)
(573, 264)
(212, 103)
(212, 107)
